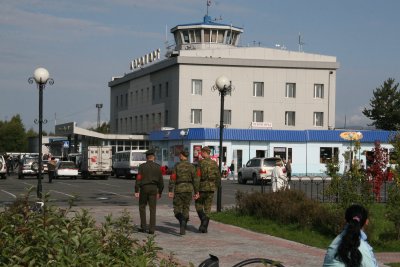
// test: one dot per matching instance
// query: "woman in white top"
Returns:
(278, 178)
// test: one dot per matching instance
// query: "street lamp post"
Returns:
(224, 86)
(41, 77)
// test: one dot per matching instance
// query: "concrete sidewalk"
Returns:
(230, 244)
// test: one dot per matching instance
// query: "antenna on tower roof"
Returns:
(301, 43)
(208, 4)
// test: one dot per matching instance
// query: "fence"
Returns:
(315, 188)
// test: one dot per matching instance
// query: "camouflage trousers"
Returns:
(148, 195)
(181, 203)
(204, 202)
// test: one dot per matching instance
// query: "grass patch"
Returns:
(381, 230)
(290, 215)
(290, 232)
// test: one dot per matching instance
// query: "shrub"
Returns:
(54, 237)
(291, 207)
(393, 208)
(353, 187)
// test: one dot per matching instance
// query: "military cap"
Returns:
(185, 154)
(150, 152)
(206, 149)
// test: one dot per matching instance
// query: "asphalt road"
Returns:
(97, 192)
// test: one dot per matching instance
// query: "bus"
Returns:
(126, 163)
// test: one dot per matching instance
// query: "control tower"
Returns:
(206, 34)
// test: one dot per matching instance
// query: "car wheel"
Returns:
(255, 180)
(240, 179)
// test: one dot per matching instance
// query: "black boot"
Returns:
(206, 221)
(182, 223)
(183, 226)
(202, 216)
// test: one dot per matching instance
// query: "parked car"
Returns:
(258, 169)
(66, 169)
(3, 168)
(28, 167)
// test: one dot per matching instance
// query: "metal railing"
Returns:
(315, 187)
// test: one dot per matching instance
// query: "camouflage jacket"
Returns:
(183, 178)
(210, 177)
(149, 173)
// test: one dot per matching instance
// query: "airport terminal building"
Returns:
(273, 88)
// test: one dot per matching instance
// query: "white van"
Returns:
(126, 163)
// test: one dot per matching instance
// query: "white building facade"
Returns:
(274, 88)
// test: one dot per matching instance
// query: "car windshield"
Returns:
(67, 165)
(270, 162)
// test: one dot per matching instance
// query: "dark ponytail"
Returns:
(348, 252)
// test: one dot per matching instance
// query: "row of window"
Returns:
(141, 96)
(258, 116)
(290, 118)
(142, 123)
(210, 36)
(258, 89)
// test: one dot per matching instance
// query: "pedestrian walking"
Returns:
(183, 182)
(9, 165)
(210, 179)
(350, 248)
(51, 168)
(148, 188)
(232, 170)
(288, 167)
(278, 178)
(224, 170)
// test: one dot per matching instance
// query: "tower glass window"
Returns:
(197, 87)
(290, 90)
(195, 117)
(258, 89)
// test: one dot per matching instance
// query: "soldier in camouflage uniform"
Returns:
(148, 188)
(210, 179)
(183, 181)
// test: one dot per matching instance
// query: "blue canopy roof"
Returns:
(369, 136)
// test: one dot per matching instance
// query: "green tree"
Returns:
(12, 135)
(104, 128)
(385, 106)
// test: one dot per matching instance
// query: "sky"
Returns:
(83, 43)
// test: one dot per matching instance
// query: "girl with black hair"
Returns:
(350, 248)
